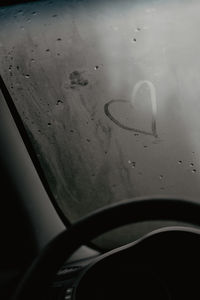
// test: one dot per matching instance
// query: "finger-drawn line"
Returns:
(136, 88)
(110, 116)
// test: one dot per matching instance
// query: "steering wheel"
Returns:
(41, 274)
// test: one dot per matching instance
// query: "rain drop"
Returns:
(132, 163)
(59, 102)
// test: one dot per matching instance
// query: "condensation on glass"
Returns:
(109, 94)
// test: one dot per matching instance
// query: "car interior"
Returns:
(99, 149)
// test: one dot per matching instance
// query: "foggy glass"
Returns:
(109, 93)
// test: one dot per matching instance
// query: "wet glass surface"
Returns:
(109, 94)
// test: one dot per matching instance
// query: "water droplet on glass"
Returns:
(71, 130)
(161, 176)
(17, 67)
(180, 162)
(96, 67)
(191, 165)
(32, 60)
(194, 171)
(88, 140)
(59, 39)
(54, 16)
(59, 102)
(49, 124)
(138, 29)
(132, 163)
(27, 76)
(47, 50)
(83, 82)
(34, 13)
(134, 40)
(145, 146)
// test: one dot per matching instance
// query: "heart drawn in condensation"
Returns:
(153, 101)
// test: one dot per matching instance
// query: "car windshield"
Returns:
(108, 92)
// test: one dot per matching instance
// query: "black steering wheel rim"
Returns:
(41, 273)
